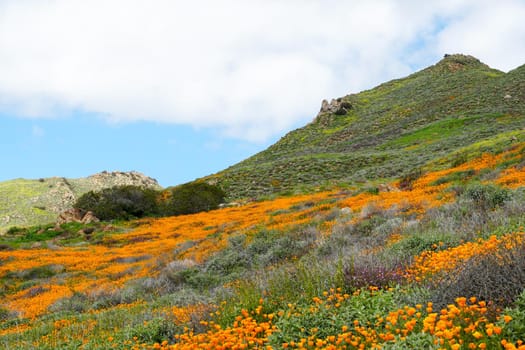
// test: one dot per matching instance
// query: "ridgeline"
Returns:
(448, 112)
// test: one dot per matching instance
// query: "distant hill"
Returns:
(440, 114)
(31, 202)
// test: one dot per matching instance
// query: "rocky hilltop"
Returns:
(26, 202)
(442, 113)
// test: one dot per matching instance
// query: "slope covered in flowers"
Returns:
(51, 296)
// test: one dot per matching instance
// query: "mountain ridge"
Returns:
(388, 131)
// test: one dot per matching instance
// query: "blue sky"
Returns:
(181, 89)
(81, 145)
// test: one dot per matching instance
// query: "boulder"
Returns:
(89, 217)
(76, 215)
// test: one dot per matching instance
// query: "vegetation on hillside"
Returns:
(133, 202)
(395, 223)
(37, 202)
(391, 130)
(434, 260)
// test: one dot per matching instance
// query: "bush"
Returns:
(193, 198)
(77, 303)
(5, 314)
(496, 277)
(515, 330)
(230, 260)
(122, 202)
(486, 197)
(155, 330)
(372, 273)
(39, 272)
(408, 180)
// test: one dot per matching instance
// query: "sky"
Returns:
(178, 90)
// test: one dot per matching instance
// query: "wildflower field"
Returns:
(431, 261)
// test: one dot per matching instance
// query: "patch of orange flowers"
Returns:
(430, 264)
(139, 253)
(461, 325)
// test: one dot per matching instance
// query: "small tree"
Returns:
(192, 198)
(123, 202)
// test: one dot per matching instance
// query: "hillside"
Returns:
(30, 202)
(418, 242)
(436, 264)
(391, 130)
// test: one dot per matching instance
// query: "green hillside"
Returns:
(425, 249)
(391, 130)
(26, 202)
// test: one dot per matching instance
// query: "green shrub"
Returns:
(4, 314)
(39, 234)
(515, 330)
(486, 197)
(232, 259)
(192, 198)
(120, 203)
(13, 230)
(456, 176)
(155, 330)
(407, 180)
(300, 322)
(415, 340)
(78, 302)
(44, 271)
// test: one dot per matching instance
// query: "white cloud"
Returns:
(493, 33)
(251, 68)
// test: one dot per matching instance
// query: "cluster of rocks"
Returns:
(328, 110)
(336, 106)
(76, 215)
(107, 179)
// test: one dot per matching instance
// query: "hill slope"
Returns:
(30, 202)
(391, 130)
(435, 260)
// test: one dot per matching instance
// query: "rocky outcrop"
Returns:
(106, 179)
(76, 215)
(337, 106)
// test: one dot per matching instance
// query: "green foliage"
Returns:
(77, 303)
(34, 234)
(415, 340)
(155, 330)
(300, 322)
(39, 272)
(4, 314)
(120, 203)
(486, 197)
(457, 176)
(515, 330)
(413, 244)
(193, 198)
